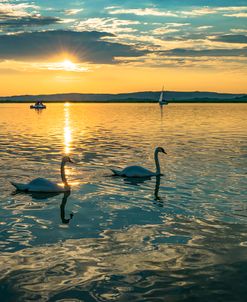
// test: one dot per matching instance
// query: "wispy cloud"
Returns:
(239, 30)
(198, 12)
(236, 11)
(241, 39)
(240, 11)
(164, 30)
(189, 59)
(237, 15)
(181, 52)
(169, 28)
(16, 10)
(177, 24)
(111, 25)
(204, 27)
(13, 65)
(61, 66)
(28, 21)
(74, 11)
(142, 12)
(16, 16)
(231, 8)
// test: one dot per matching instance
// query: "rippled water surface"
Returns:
(181, 237)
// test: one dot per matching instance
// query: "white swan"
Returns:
(137, 171)
(45, 185)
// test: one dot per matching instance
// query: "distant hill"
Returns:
(146, 96)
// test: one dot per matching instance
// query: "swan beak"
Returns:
(164, 151)
(71, 161)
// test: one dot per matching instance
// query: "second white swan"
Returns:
(137, 171)
(45, 185)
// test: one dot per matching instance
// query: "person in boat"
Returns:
(39, 103)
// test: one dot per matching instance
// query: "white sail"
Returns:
(162, 101)
(161, 97)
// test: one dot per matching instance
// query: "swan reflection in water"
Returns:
(138, 181)
(40, 196)
(62, 209)
(157, 199)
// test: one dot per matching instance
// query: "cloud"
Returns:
(18, 66)
(15, 16)
(169, 28)
(61, 66)
(228, 11)
(164, 30)
(71, 12)
(29, 21)
(111, 25)
(142, 12)
(240, 11)
(15, 10)
(177, 24)
(204, 27)
(230, 39)
(239, 30)
(180, 52)
(199, 12)
(237, 15)
(85, 46)
(232, 8)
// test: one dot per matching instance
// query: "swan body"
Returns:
(39, 185)
(138, 171)
(45, 185)
(134, 171)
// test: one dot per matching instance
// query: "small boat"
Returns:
(162, 101)
(38, 105)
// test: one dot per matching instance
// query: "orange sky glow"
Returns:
(66, 76)
(76, 47)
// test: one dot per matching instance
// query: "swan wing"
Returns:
(44, 185)
(136, 171)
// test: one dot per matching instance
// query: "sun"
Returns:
(68, 65)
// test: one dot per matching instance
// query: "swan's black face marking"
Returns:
(162, 150)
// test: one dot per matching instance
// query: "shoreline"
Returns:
(202, 101)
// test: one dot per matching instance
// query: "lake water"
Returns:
(181, 237)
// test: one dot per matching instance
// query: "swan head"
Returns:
(160, 149)
(67, 159)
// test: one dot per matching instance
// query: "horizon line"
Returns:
(99, 93)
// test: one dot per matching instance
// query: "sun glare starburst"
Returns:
(68, 65)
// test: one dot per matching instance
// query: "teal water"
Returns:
(181, 237)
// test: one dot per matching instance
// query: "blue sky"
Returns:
(142, 34)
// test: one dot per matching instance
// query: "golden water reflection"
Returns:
(124, 253)
(67, 129)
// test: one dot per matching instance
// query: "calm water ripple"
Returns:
(179, 237)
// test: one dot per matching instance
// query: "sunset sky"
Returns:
(60, 46)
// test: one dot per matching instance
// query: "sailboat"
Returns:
(162, 101)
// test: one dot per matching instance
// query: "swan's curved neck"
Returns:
(64, 179)
(157, 164)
